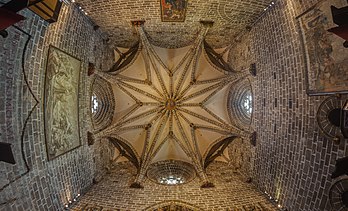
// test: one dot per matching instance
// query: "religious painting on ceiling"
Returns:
(61, 103)
(326, 57)
(173, 10)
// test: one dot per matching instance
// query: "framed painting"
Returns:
(61, 114)
(326, 57)
(173, 10)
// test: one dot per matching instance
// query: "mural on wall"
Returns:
(326, 57)
(173, 10)
(61, 103)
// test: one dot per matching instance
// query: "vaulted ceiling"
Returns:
(171, 81)
(171, 104)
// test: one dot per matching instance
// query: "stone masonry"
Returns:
(229, 193)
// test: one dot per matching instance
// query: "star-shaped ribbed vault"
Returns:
(171, 104)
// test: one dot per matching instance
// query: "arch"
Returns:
(126, 150)
(102, 115)
(216, 149)
(160, 171)
(216, 59)
(126, 59)
(237, 110)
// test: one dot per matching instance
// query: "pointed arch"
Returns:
(126, 59)
(216, 150)
(216, 59)
(125, 150)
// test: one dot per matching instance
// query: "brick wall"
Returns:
(49, 184)
(242, 154)
(230, 192)
(293, 160)
(230, 17)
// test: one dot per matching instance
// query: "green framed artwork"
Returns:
(326, 57)
(173, 10)
(61, 114)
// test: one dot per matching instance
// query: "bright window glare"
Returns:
(171, 180)
(95, 104)
(247, 103)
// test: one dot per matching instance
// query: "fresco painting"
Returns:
(173, 10)
(61, 103)
(326, 57)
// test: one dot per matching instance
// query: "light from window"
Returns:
(247, 103)
(95, 103)
(171, 180)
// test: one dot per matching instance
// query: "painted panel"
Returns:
(173, 10)
(326, 57)
(61, 103)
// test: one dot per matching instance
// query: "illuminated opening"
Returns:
(171, 180)
(95, 103)
(247, 103)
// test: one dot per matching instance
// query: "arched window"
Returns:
(102, 103)
(247, 103)
(240, 103)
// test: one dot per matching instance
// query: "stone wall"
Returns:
(241, 154)
(229, 193)
(229, 16)
(294, 160)
(48, 185)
